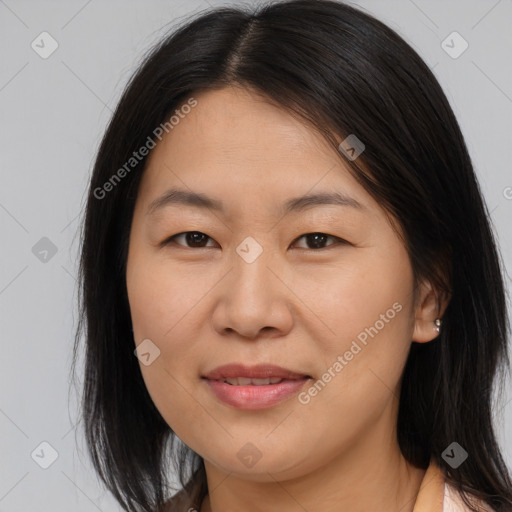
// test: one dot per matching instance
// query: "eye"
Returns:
(317, 240)
(196, 239)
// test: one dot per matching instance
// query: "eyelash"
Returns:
(171, 240)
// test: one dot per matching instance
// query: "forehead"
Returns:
(240, 126)
(234, 119)
(237, 144)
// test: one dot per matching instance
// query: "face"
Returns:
(258, 278)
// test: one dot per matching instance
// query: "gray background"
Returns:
(53, 112)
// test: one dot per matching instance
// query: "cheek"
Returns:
(164, 304)
(367, 308)
(160, 299)
(159, 295)
(367, 291)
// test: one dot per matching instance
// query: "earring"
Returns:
(437, 323)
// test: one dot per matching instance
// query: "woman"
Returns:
(290, 286)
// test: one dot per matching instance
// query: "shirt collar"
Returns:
(431, 494)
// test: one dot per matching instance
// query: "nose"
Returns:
(253, 300)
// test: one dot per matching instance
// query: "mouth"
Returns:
(254, 387)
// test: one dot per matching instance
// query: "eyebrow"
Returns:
(297, 204)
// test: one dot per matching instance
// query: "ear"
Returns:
(430, 306)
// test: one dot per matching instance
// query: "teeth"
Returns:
(244, 381)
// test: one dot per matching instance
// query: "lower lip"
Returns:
(256, 397)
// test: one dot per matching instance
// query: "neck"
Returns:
(371, 475)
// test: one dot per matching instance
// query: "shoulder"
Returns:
(453, 501)
(179, 502)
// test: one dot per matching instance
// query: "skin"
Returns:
(296, 306)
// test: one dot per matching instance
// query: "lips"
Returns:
(258, 374)
(254, 387)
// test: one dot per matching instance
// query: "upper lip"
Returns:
(260, 371)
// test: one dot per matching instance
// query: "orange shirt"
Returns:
(437, 495)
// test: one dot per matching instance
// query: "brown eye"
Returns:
(193, 239)
(318, 240)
